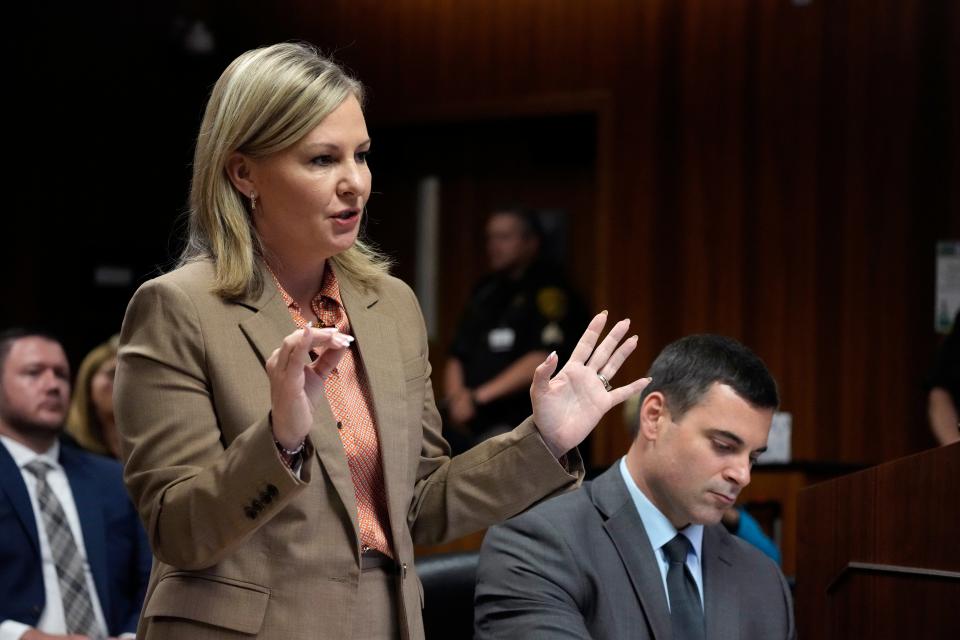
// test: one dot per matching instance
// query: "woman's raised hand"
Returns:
(568, 406)
(296, 385)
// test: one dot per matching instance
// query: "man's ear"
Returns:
(653, 412)
(239, 172)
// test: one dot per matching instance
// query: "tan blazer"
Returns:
(245, 548)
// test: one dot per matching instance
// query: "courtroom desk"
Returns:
(877, 552)
(778, 485)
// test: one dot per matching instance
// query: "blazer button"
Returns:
(266, 497)
(257, 505)
(251, 513)
(272, 490)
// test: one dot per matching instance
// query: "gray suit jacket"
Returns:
(581, 566)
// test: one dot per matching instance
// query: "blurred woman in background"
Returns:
(91, 422)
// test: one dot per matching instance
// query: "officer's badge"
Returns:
(501, 339)
(551, 334)
(552, 303)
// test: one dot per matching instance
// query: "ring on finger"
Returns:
(606, 383)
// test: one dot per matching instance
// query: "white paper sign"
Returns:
(948, 285)
(778, 443)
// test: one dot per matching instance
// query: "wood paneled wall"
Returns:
(772, 170)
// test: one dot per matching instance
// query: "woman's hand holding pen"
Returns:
(296, 385)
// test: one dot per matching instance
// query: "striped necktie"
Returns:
(77, 605)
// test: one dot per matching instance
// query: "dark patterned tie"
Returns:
(686, 614)
(77, 606)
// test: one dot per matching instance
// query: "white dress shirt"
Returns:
(52, 619)
(660, 531)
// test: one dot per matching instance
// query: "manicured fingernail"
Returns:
(604, 312)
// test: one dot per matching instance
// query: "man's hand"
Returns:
(568, 407)
(461, 408)
(943, 416)
(731, 520)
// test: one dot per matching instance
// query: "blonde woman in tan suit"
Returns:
(278, 422)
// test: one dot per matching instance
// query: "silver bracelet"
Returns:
(291, 452)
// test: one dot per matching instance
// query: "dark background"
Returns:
(774, 170)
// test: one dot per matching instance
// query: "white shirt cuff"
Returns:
(12, 630)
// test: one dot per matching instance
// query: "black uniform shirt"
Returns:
(505, 319)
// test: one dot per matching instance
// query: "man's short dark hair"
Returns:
(9, 336)
(686, 369)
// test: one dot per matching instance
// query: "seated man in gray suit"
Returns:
(640, 551)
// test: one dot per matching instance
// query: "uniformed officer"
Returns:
(516, 316)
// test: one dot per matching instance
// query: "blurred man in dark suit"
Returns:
(74, 560)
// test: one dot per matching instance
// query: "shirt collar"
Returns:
(659, 529)
(329, 288)
(24, 455)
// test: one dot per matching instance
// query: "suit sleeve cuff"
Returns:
(571, 463)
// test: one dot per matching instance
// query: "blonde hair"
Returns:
(266, 101)
(82, 421)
